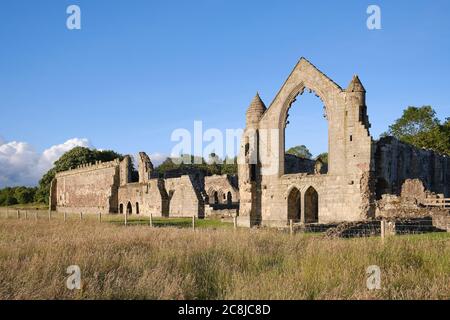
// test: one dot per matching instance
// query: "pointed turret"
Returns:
(356, 97)
(255, 111)
(355, 85)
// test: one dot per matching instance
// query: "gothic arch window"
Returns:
(311, 205)
(305, 129)
(294, 205)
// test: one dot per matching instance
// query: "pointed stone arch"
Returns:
(294, 204)
(311, 205)
(262, 178)
(305, 76)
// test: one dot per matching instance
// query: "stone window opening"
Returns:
(311, 205)
(137, 207)
(121, 208)
(229, 198)
(294, 205)
(129, 208)
(253, 172)
(216, 197)
(304, 126)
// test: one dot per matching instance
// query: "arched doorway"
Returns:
(137, 207)
(216, 197)
(121, 208)
(229, 198)
(294, 205)
(129, 208)
(311, 205)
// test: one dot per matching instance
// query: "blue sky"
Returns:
(137, 70)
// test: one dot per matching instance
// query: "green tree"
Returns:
(214, 165)
(323, 157)
(421, 128)
(71, 159)
(24, 195)
(300, 151)
(229, 166)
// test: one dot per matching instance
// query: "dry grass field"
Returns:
(139, 262)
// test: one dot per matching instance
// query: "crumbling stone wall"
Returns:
(395, 162)
(185, 200)
(294, 164)
(144, 198)
(411, 203)
(145, 168)
(222, 188)
(90, 188)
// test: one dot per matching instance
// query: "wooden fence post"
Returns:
(35, 215)
(235, 222)
(193, 222)
(100, 216)
(151, 220)
(383, 229)
(126, 218)
(81, 215)
(49, 214)
(291, 227)
(18, 214)
(26, 214)
(65, 216)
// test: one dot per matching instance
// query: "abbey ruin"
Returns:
(273, 188)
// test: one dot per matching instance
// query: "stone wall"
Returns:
(185, 199)
(294, 164)
(221, 189)
(144, 198)
(395, 162)
(344, 193)
(89, 188)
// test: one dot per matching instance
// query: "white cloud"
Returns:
(50, 155)
(20, 164)
(157, 158)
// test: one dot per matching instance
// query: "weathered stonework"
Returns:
(362, 178)
(348, 189)
(107, 188)
(397, 161)
(88, 188)
(222, 189)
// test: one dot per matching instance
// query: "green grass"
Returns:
(27, 206)
(171, 222)
(118, 219)
(140, 262)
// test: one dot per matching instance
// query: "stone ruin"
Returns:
(364, 179)
(108, 188)
(360, 170)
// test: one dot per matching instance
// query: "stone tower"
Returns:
(125, 170)
(249, 165)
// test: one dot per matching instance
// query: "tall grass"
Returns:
(139, 262)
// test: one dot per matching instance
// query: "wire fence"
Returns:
(377, 227)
